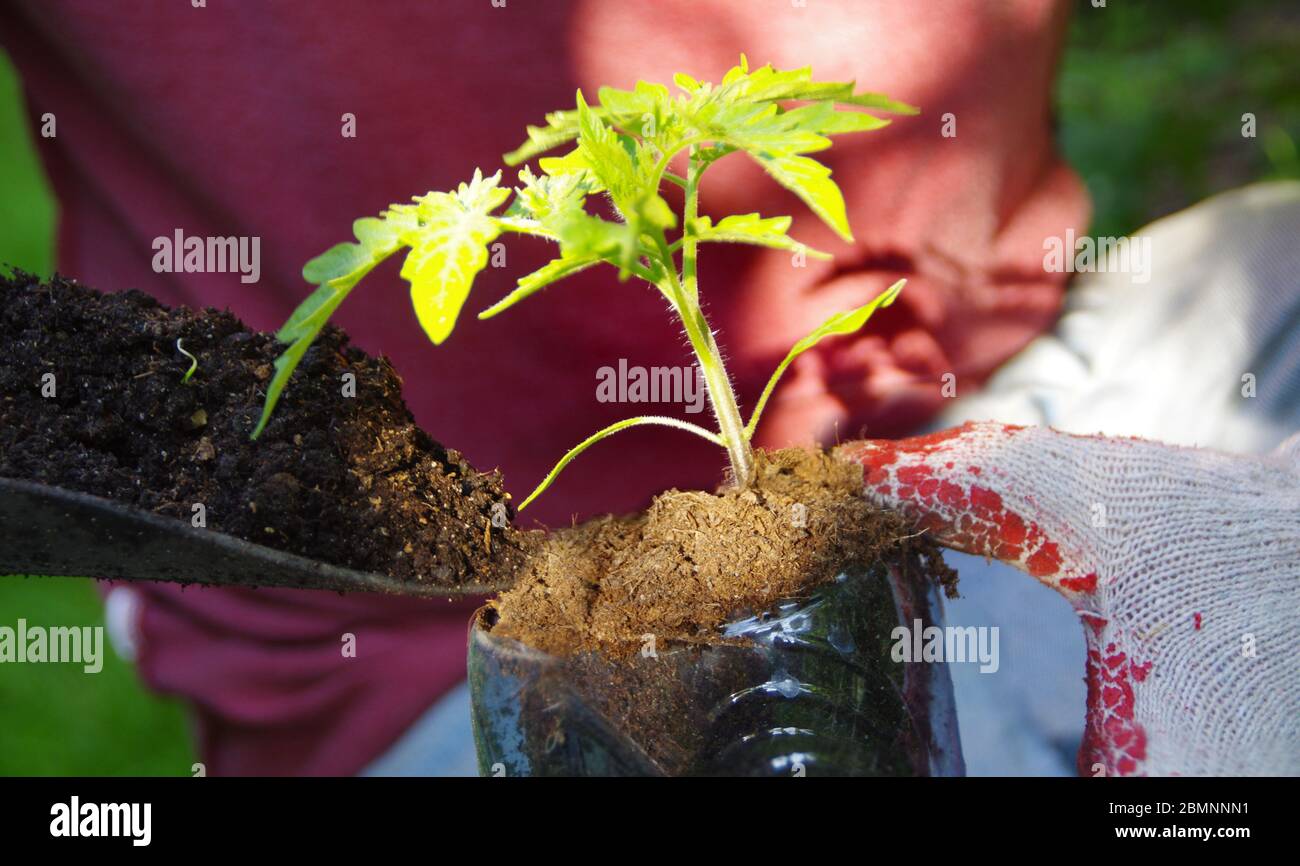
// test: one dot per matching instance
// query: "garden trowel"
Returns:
(51, 531)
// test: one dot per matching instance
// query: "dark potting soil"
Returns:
(695, 560)
(349, 480)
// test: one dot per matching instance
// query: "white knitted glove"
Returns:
(1183, 565)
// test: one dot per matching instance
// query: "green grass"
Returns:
(1151, 95)
(1149, 104)
(55, 719)
(26, 206)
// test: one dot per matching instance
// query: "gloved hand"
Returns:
(1182, 564)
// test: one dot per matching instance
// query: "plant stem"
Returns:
(723, 397)
(686, 299)
(689, 215)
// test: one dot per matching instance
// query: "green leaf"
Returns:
(811, 181)
(767, 131)
(823, 119)
(585, 236)
(539, 279)
(847, 322)
(744, 113)
(302, 329)
(841, 323)
(880, 102)
(767, 83)
(337, 261)
(311, 313)
(645, 111)
(448, 235)
(284, 367)
(448, 249)
(338, 270)
(652, 210)
(561, 127)
(686, 82)
(554, 195)
(624, 109)
(552, 206)
(752, 229)
(604, 155)
(573, 163)
(379, 236)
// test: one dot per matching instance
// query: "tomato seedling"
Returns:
(624, 150)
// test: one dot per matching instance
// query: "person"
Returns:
(288, 122)
(1195, 548)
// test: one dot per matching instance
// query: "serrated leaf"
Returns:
(553, 271)
(548, 199)
(379, 236)
(622, 166)
(561, 127)
(552, 205)
(839, 324)
(606, 157)
(752, 229)
(743, 113)
(338, 270)
(811, 181)
(583, 235)
(822, 118)
(439, 228)
(448, 249)
(572, 163)
(284, 367)
(880, 102)
(849, 321)
(736, 73)
(626, 108)
(770, 84)
(338, 261)
(302, 328)
(765, 85)
(542, 139)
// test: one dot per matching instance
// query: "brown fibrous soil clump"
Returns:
(694, 560)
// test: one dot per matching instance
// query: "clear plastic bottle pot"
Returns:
(809, 688)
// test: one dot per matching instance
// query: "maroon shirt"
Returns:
(227, 120)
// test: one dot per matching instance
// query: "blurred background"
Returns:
(1149, 103)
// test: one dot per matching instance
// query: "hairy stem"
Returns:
(689, 215)
(610, 431)
(722, 397)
